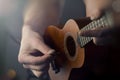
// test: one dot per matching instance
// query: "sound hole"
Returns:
(70, 44)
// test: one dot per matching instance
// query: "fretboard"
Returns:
(105, 21)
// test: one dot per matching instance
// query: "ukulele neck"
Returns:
(104, 21)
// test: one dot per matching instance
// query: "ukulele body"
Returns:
(64, 41)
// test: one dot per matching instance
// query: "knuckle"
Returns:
(20, 59)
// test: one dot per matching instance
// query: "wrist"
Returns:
(28, 32)
(32, 28)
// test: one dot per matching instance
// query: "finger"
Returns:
(43, 67)
(43, 48)
(104, 41)
(33, 60)
(37, 73)
(99, 32)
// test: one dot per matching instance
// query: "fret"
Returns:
(90, 26)
(104, 21)
(96, 24)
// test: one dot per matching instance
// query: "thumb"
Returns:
(41, 75)
(37, 73)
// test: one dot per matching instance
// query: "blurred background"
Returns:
(11, 21)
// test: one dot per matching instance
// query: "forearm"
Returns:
(42, 13)
(95, 8)
(98, 3)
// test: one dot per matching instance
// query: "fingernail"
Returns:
(51, 51)
(92, 17)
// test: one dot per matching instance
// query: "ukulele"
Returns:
(70, 47)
